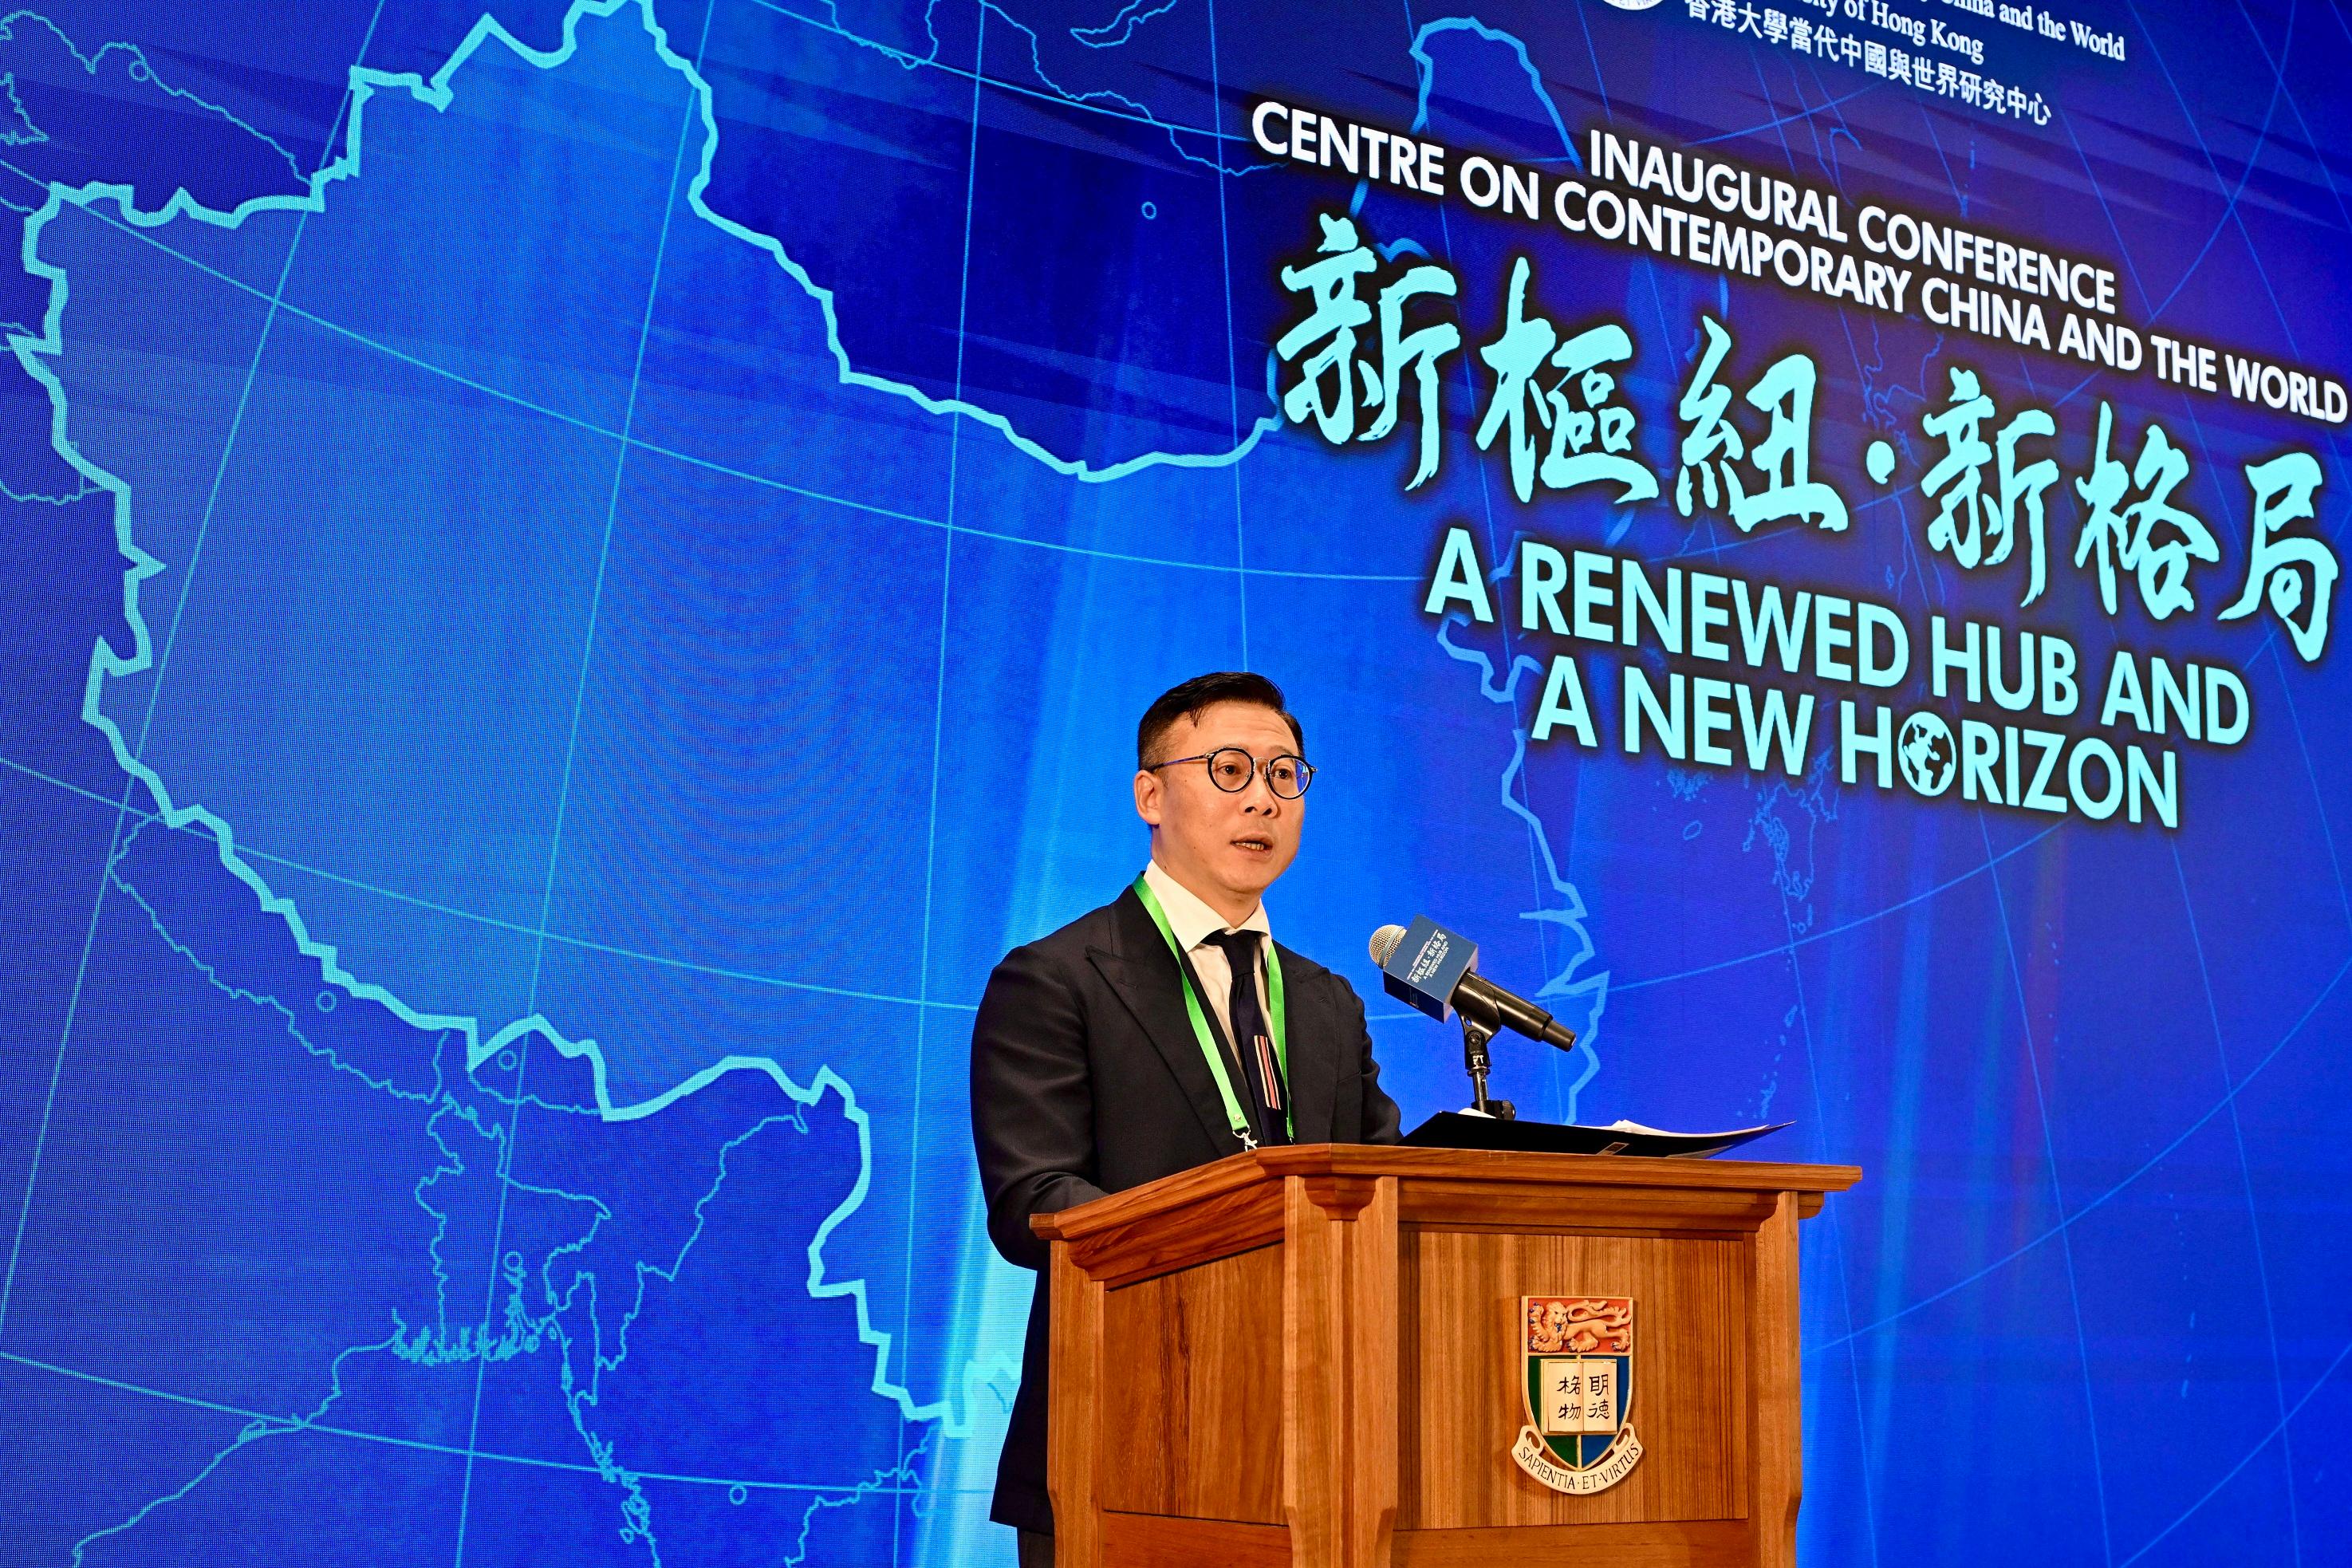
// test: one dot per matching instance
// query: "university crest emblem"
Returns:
(1577, 1379)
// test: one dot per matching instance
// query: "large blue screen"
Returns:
(571, 578)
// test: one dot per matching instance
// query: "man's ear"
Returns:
(1147, 796)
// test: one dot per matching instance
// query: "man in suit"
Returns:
(1165, 1029)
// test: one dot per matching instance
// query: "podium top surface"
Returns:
(1237, 1172)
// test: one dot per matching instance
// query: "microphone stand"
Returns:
(1480, 1019)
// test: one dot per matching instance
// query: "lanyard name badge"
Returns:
(1278, 1020)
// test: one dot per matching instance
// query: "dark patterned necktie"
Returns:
(1268, 1096)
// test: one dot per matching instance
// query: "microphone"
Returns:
(1430, 969)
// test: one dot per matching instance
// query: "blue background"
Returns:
(571, 582)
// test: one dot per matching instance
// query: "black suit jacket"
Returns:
(1087, 1079)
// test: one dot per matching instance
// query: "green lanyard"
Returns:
(1215, 1057)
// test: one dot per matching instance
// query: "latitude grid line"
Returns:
(518, 928)
(1689, 550)
(2080, 1213)
(2253, 1213)
(939, 726)
(2318, 798)
(130, 785)
(2064, 1225)
(706, 464)
(1776, 122)
(504, 1164)
(2057, 1197)
(2003, 854)
(1758, 955)
(1810, 939)
(1932, 581)
(2066, 1222)
(2270, 640)
(2084, 1211)
(1781, 118)
(2278, 67)
(2232, 1473)
(909, 61)
(284, 1425)
(2007, 852)
(1932, 575)
(1509, 677)
(1832, 1212)
(542, 932)
(2232, 215)
(2229, 1099)
(1057, 97)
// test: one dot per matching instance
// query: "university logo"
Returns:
(1632, 4)
(1577, 1377)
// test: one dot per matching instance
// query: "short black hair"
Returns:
(1189, 698)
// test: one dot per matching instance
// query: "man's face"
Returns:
(1226, 846)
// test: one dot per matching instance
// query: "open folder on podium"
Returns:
(1468, 1129)
(1334, 1356)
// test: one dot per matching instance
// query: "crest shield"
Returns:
(1576, 1378)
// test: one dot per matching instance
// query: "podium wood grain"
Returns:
(1461, 1366)
(1192, 1418)
(1313, 1356)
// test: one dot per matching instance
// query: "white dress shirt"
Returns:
(1194, 922)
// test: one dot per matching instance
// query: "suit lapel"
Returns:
(1314, 1056)
(1143, 974)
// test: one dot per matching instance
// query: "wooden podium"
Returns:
(1316, 1355)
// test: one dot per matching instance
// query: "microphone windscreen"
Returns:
(1384, 942)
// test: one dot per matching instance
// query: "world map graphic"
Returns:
(580, 574)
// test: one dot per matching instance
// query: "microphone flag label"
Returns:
(1427, 965)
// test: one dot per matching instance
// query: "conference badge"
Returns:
(1577, 1379)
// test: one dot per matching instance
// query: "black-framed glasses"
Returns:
(1230, 769)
